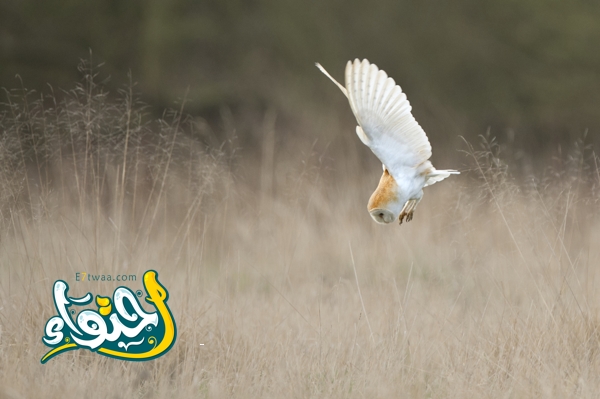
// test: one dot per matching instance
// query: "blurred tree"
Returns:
(529, 65)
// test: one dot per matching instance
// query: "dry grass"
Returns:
(292, 289)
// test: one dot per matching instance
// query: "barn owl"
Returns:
(387, 127)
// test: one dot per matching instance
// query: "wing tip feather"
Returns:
(324, 71)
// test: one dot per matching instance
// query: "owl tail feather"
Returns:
(439, 175)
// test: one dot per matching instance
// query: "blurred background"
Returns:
(198, 139)
(527, 71)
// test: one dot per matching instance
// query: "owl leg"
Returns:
(408, 210)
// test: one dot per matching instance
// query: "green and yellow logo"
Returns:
(120, 328)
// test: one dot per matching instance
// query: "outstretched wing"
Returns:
(385, 122)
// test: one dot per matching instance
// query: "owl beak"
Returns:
(382, 216)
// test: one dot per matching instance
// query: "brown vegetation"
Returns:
(273, 263)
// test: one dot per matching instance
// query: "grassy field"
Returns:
(274, 265)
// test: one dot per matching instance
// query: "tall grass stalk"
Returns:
(491, 291)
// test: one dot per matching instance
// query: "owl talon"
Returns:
(401, 217)
(407, 215)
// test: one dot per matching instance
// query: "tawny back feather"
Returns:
(384, 193)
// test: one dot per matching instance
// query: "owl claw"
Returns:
(407, 215)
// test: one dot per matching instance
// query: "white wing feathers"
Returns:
(385, 123)
(383, 113)
(361, 134)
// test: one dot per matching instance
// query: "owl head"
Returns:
(386, 201)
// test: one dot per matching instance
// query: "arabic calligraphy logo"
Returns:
(120, 328)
